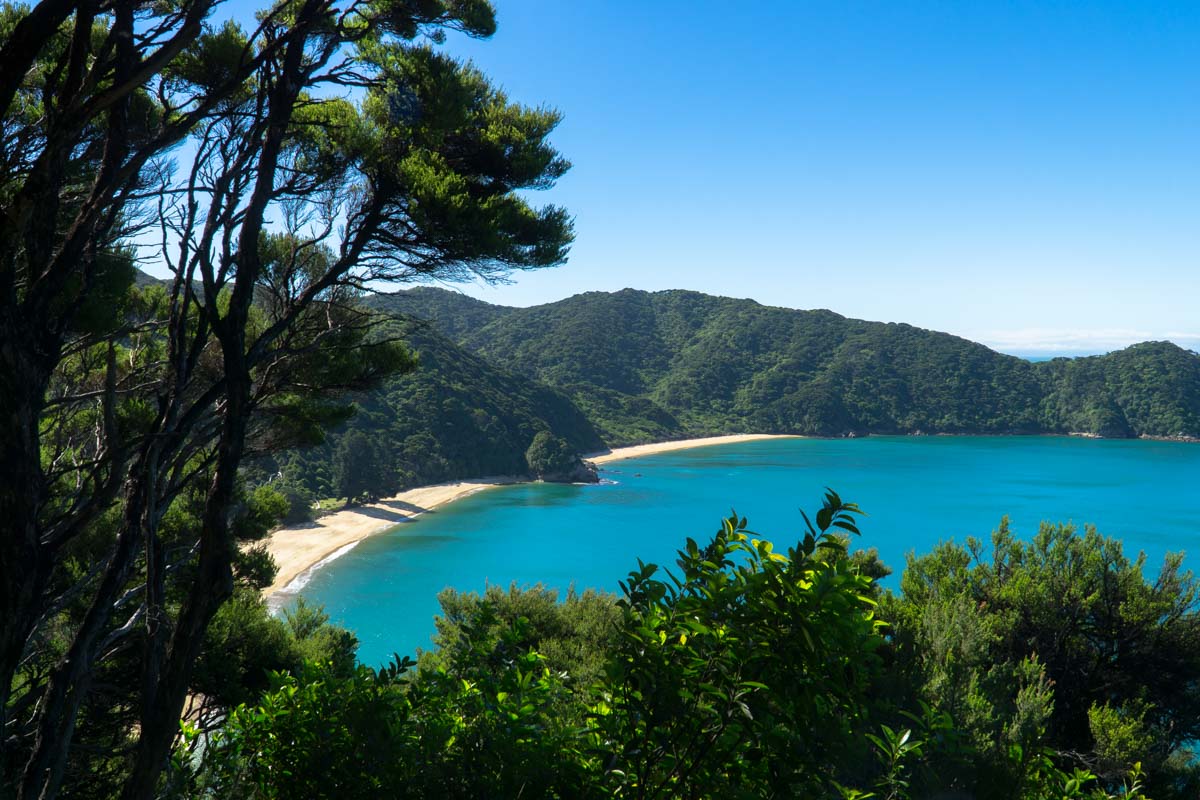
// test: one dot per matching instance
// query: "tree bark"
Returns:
(24, 565)
(72, 676)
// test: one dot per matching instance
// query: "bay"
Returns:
(917, 491)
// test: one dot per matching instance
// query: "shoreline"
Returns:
(638, 450)
(301, 550)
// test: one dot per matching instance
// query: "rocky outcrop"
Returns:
(581, 472)
(550, 458)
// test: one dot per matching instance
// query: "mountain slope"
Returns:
(676, 363)
(453, 314)
(456, 416)
(1148, 389)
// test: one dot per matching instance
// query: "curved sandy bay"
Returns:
(300, 549)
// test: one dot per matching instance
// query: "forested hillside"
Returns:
(669, 364)
(617, 368)
(454, 416)
(453, 313)
(1151, 388)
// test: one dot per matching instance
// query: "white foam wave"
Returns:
(277, 600)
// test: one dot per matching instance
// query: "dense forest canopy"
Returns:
(1053, 668)
(272, 169)
(670, 364)
(603, 370)
(454, 416)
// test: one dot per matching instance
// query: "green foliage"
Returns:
(300, 503)
(244, 645)
(1121, 739)
(371, 733)
(319, 736)
(460, 159)
(573, 635)
(550, 455)
(106, 303)
(263, 509)
(745, 672)
(453, 314)
(746, 675)
(1059, 643)
(1149, 388)
(894, 749)
(361, 469)
(652, 366)
(318, 642)
(212, 60)
(453, 417)
(255, 566)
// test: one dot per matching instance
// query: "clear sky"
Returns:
(1026, 174)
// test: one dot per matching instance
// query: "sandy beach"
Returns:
(635, 451)
(296, 550)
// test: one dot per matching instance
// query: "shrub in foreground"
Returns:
(743, 672)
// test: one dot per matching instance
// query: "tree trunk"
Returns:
(71, 678)
(165, 679)
(24, 564)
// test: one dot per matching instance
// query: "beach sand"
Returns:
(297, 550)
(682, 444)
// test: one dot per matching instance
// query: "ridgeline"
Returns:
(611, 369)
(670, 364)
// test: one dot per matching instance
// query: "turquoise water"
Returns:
(916, 490)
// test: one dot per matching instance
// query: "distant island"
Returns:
(602, 370)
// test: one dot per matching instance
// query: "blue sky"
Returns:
(1024, 174)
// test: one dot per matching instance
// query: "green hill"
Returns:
(454, 314)
(456, 416)
(646, 366)
(1149, 389)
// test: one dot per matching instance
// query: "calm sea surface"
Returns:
(917, 491)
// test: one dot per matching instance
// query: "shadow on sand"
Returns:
(410, 508)
(396, 511)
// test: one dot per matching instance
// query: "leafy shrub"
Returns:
(744, 672)
(550, 455)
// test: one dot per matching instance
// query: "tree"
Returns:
(359, 468)
(1062, 642)
(488, 631)
(750, 667)
(742, 676)
(329, 146)
(300, 503)
(550, 455)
